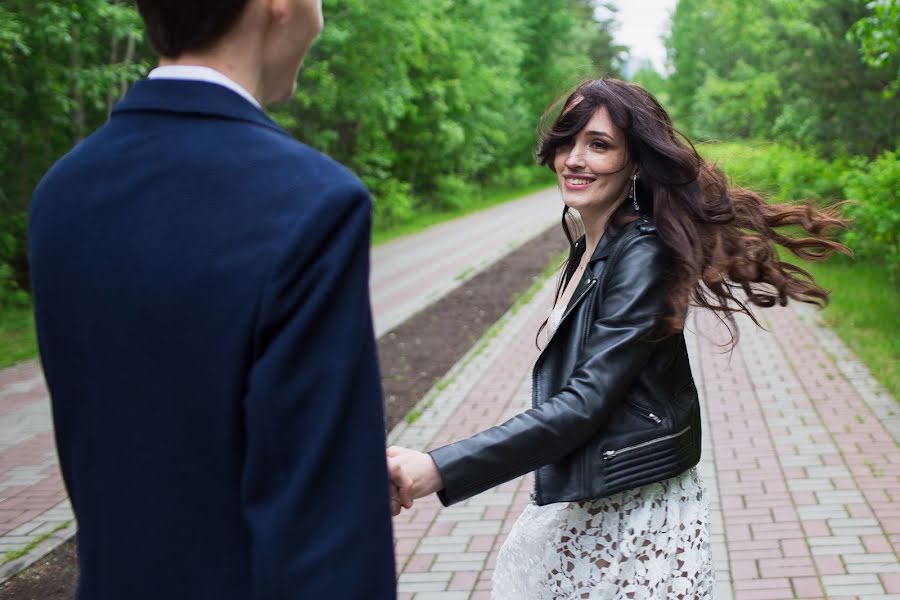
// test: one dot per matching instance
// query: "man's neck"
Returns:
(241, 71)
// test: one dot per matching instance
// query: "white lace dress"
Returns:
(651, 542)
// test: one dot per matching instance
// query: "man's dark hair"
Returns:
(178, 26)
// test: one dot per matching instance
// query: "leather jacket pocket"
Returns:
(648, 414)
(617, 452)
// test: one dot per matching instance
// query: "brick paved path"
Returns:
(804, 479)
(33, 504)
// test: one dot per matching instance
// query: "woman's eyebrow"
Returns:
(599, 134)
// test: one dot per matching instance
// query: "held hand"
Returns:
(419, 466)
(401, 483)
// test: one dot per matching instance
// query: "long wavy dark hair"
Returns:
(723, 239)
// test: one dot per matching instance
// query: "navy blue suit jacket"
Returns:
(201, 295)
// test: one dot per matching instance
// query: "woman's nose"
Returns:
(575, 159)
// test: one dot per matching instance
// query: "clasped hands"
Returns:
(413, 475)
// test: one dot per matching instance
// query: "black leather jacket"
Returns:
(613, 401)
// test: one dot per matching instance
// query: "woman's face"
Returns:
(593, 169)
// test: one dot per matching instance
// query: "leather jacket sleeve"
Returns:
(618, 343)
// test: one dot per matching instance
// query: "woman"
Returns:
(619, 510)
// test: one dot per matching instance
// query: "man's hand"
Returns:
(401, 484)
(419, 467)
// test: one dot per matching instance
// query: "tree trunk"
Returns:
(78, 118)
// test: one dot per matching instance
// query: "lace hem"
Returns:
(651, 542)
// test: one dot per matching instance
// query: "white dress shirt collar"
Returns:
(198, 73)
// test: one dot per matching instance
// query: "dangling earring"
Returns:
(632, 195)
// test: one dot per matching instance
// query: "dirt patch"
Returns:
(54, 577)
(413, 356)
(418, 352)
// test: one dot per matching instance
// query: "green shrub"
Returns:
(519, 176)
(780, 172)
(875, 210)
(791, 174)
(393, 203)
(12, 262)
(453, 192)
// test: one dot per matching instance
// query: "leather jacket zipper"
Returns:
(609, 454)
(645, 414)
(538, 496)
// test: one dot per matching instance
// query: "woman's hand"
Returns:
(401, 484)
(419, 468)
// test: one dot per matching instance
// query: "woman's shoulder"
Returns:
(641, 254)
(640, 237)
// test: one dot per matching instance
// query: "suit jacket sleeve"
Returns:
(617, 346)
(315, 483)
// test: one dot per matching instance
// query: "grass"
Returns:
(16, 554)
(428, 219)
(865, 313)
(17, 337)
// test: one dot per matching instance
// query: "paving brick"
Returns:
(854, 591)
(475, 565)
(463, 582)
(807, 587)
(427, 586)
(430, 577)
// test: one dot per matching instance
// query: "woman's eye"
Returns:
(599, 146)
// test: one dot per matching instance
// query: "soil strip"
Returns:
(418, 352)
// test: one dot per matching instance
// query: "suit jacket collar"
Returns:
(199, 98)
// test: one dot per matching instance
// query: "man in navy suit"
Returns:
(201, 296)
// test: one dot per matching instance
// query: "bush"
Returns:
(520, 176)
(875, 211)
(453, 193)
(791, 174)
(778, 171)
(393, 203)
(13, 265)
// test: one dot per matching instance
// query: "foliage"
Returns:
(875, 210)
(18, 341)
(427, 102)
(63, 65)
(878, 34)
(870, 188)
(428, 121)
(787, 71)
(648, 78)
(779, 171)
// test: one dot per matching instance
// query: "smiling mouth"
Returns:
(578, 182)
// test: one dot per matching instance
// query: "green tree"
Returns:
(63, 65)
(878, 34)
(778, 69)
(427, 102)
